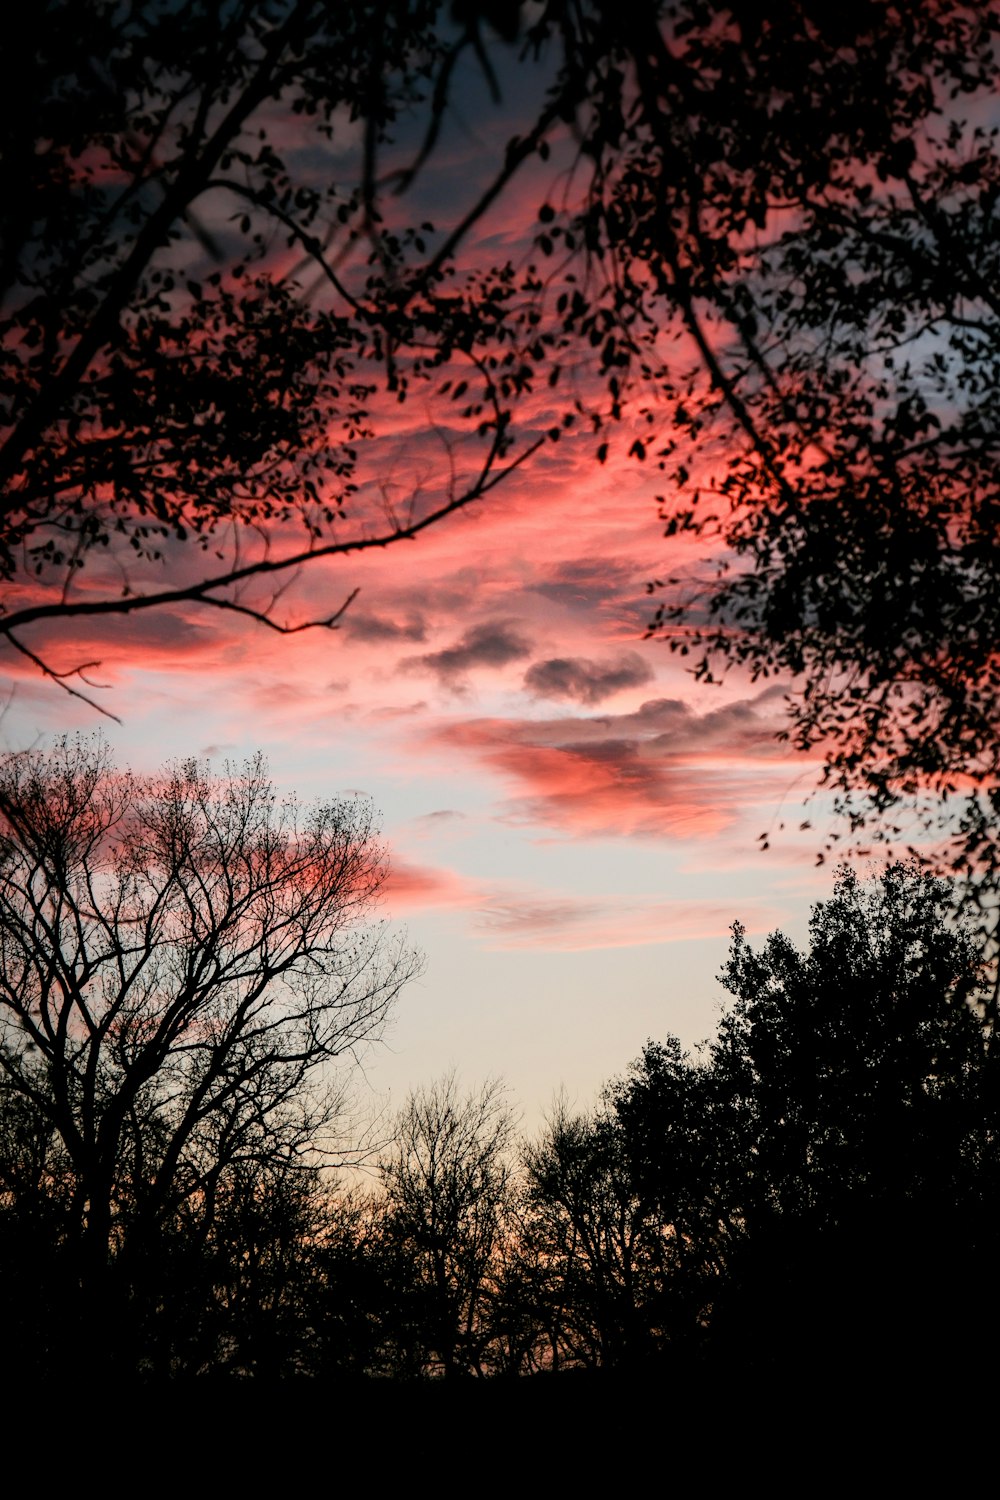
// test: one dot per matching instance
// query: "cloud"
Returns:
(372, 627)
(507, 915)
(574, 926)
(161, 640)
(520, 919)
(390, 711)
(583, 585)
(577, 678)
(495, 643)
(661, 770)
(410, 885)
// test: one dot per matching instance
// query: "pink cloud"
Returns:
(584, 926)
(659, 770)
(413, 886)
(507, 915)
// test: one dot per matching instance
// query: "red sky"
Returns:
(574, 822)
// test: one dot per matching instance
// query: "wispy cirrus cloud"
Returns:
(510, 915)
(586, 926)
(409, 886)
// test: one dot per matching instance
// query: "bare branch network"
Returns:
(182, 958)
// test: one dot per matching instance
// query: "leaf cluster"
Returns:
(790, 228)
(210, 303)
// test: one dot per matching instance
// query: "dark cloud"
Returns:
(668, 726)
(363, 627)
(492, 644)
(587, 585)
(152, 638)
(584, 681)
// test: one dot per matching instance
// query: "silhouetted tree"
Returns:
(206, 298)
(181, 958)
(788, 218)
(447, 1183)
(863, 1101)
(810, 1190)
(674, 1118)
(599, 1250)
(36, 1189)
(363, 1318)
(825, 1170)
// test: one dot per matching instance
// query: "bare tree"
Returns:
(180, 959)
(447, 1182)
(591, 1234)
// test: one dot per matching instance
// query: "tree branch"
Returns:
(60, 677)
(200, 593)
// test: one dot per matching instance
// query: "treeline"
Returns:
(816, 1184)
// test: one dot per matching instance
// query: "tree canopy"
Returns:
(209, 301)
(824, 1170)
(812, 1191)
(794, 219)
(447, 1184)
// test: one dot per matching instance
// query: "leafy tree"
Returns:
(831, 1164)
(590, 1228)
(181, 958)
(633, 1214)
(447, 1182)
(674, 1118)
(864, 1058)
(206, 302)
(794, 214)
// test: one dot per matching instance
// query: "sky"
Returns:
(573, 823)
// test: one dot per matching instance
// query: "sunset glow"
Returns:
(573, 821)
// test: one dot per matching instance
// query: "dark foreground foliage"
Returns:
(810, 1198)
